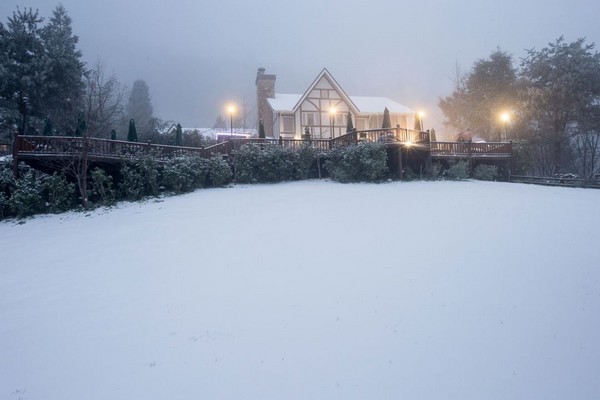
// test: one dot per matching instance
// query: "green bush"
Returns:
(458, 171)
(27, 197)
(101, 188)
(364, 162)
(485, 172)
(139, 178)
(132, 184)
(61, 193)
(184, 174)
(307, 156)
(4, 205)
(219, 172)
(266, 164)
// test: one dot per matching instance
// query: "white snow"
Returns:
(308, 290)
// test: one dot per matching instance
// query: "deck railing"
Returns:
(67, 145)
(466, 149)
(117, 149)
(393, 135)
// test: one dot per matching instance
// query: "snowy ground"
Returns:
(308, 290)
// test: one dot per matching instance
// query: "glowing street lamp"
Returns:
(332, 111)
(231, 110)
(505, 118)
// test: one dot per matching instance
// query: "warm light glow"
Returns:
(332, 110)
(231, 109)
(505, 117)
(421, 114)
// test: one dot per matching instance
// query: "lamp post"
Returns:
(231, 110)
(332, 118)
(505, 118)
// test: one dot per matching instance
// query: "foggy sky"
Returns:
(197, 56)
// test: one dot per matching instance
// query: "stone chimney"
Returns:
(265, 89)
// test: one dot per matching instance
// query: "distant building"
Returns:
(214, 133)
(322, 109)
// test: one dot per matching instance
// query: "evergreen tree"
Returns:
(561, 101)
(48, 128)
(178, 135)
(349, 124)
(387, 122)
(23, 65)
(220, 123)
(139, 108)
(132, 132)
(65, 70)
(261, 130)
(481, 96)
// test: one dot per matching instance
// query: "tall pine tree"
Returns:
(65, 70)
(139, 108)
(23, 65)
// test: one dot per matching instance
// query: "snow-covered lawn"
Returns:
(308, 290)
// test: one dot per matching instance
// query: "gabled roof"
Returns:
(327, 75)
(364, 104)
(358, 104)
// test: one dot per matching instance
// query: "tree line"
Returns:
(548, 105)
(46, 88)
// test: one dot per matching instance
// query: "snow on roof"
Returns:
(378, 104)
(365, 104)
(284, 102)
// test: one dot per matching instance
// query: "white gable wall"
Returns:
(313, 111)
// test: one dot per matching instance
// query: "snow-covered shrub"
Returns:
(364, 162)
(219, 172)
(101, 185)
(7, 179)
(458, 171)
(307, 157)
(485, 172)
(131, 186)
(26, 198)
(184, 174)
(265, 164)
(140, 177)
(61, 193)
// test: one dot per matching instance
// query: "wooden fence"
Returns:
(471, 150)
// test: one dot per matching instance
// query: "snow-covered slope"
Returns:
(308, 290)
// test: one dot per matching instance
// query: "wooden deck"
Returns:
(37, 150)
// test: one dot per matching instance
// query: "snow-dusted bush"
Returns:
(61, 193)
(364, 162)
(4, 205)
(485, 172)
(26, 199)
(101, 187)
(219, 172)
(131, 186)
(140, 177)
(458, 171)
(184, 174)
(266, 163)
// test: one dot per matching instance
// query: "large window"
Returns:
(310, 118)
(288, 124)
